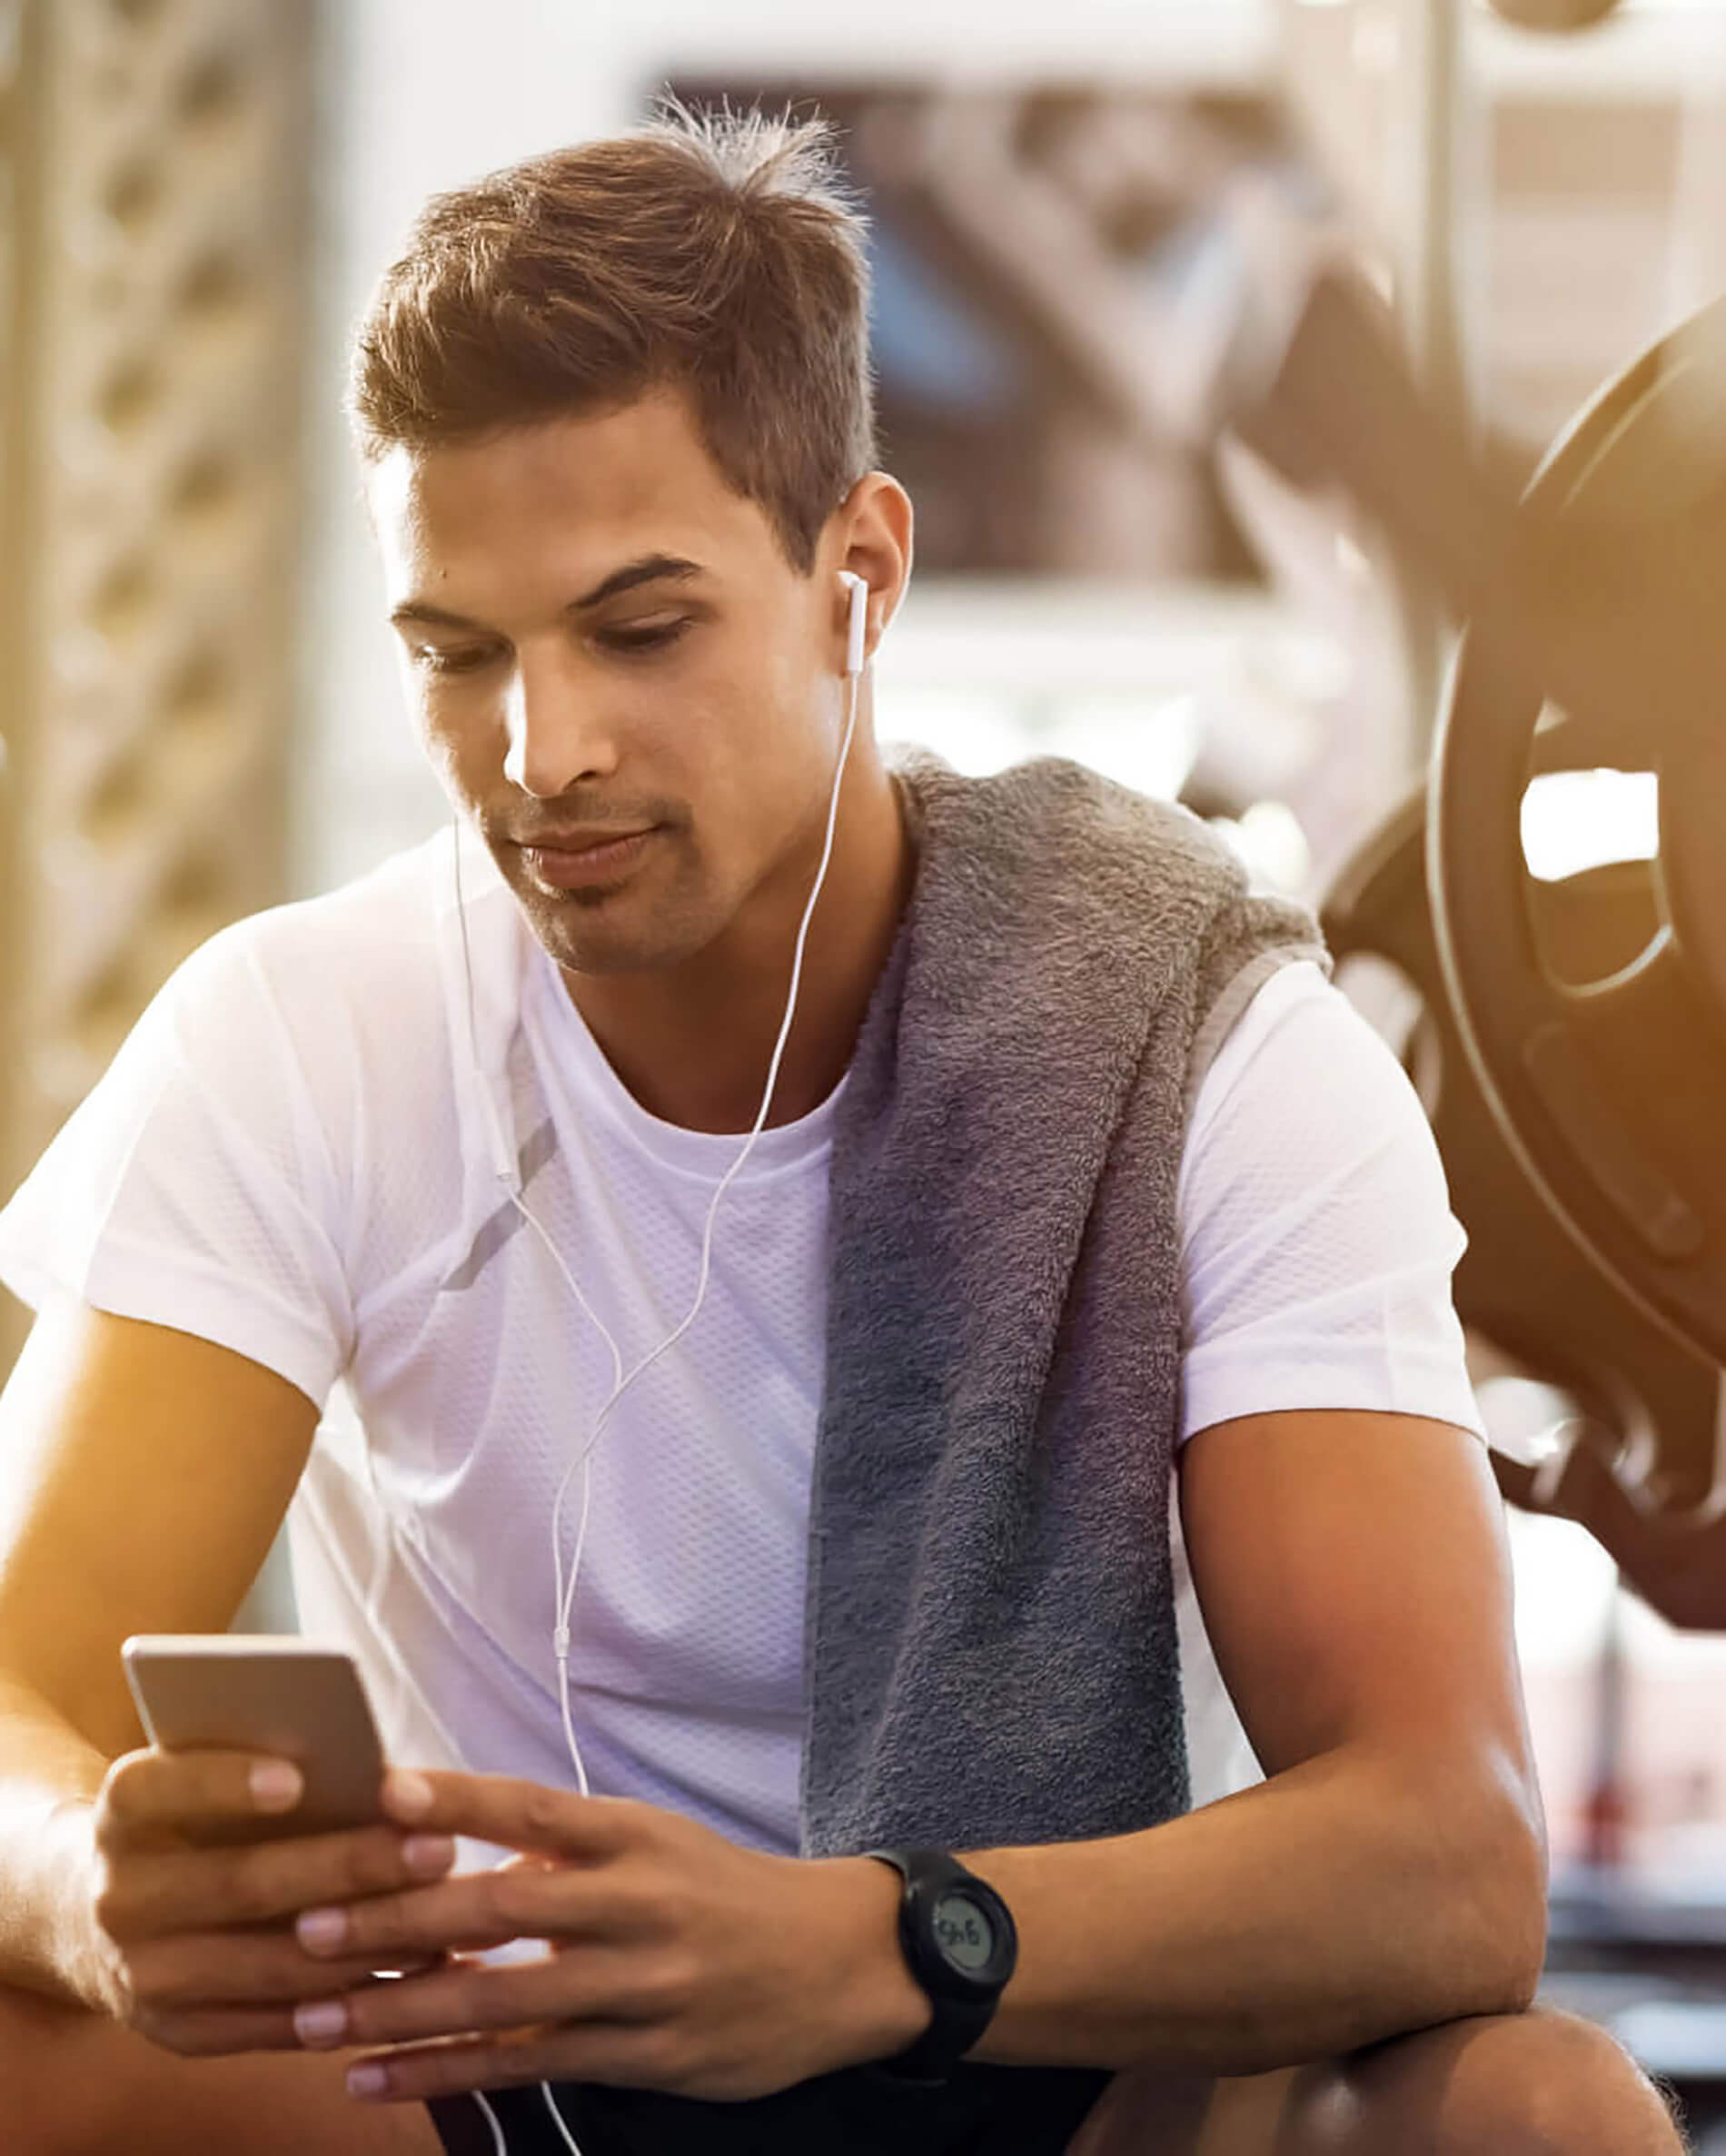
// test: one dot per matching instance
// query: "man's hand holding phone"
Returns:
(260, 1796)
(256, 1869)
(192, 1920)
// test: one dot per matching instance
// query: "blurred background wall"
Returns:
(155, 363)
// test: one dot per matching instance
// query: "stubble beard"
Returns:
(610, 931)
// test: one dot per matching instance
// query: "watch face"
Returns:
(966, 1931)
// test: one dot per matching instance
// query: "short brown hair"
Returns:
(718, 255)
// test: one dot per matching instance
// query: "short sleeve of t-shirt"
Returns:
(1318, 1240)
(195, 1186)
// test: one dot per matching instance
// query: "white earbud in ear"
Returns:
(858, 625)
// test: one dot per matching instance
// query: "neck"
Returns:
(693, 1045)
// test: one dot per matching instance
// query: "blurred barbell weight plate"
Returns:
(1611, 1091)
(1647, 1406)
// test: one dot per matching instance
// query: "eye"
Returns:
(655, 636)
(436, 661)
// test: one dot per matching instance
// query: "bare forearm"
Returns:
(1343, 1902)
(49, 1777)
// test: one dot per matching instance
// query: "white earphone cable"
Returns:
(558, 2120)
(565, 1596)
(499, 2147)
(621, 1383)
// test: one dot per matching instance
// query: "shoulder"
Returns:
(376, 953)
(1053, 810)
(1318, 1244)
(1053, 838)
(376, 926)
(353, 991)
(1306, 1107)
(1300, 1032)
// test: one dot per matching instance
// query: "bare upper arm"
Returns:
(1354, 1574)
(143, 1473)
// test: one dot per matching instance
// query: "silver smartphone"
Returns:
(282, 1695)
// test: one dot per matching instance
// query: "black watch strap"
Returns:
(964, 2003)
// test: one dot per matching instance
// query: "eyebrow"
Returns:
(648, 570)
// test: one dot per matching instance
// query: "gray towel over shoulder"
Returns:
(990, 1650)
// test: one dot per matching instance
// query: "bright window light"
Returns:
(1147, 742)
(976, 732)
(1577, 820)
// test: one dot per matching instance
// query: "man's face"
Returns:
(601, 642)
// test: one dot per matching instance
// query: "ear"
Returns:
(870, 536)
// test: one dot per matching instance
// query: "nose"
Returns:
(557, 734)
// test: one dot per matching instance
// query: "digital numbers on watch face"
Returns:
(965, 1932)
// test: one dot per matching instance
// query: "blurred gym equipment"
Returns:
(1647, 1405)
(1607, 1066)
(1588, 1023)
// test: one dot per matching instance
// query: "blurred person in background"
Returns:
(1076, 1188)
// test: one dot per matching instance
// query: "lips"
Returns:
(579, 842)
(578, 857)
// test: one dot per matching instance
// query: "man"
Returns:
(1065, 1155)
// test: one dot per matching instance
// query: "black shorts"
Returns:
(982, 2111)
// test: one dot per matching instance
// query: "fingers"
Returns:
(180, 1890)
(513, 1814)
(245, 1968)
(628, 2055)
(471, 1997)
(467, 1914)
(153, 1796)
(210, 2032)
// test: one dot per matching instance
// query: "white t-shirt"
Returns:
(289, 1156)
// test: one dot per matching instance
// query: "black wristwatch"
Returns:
(961, 1946)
